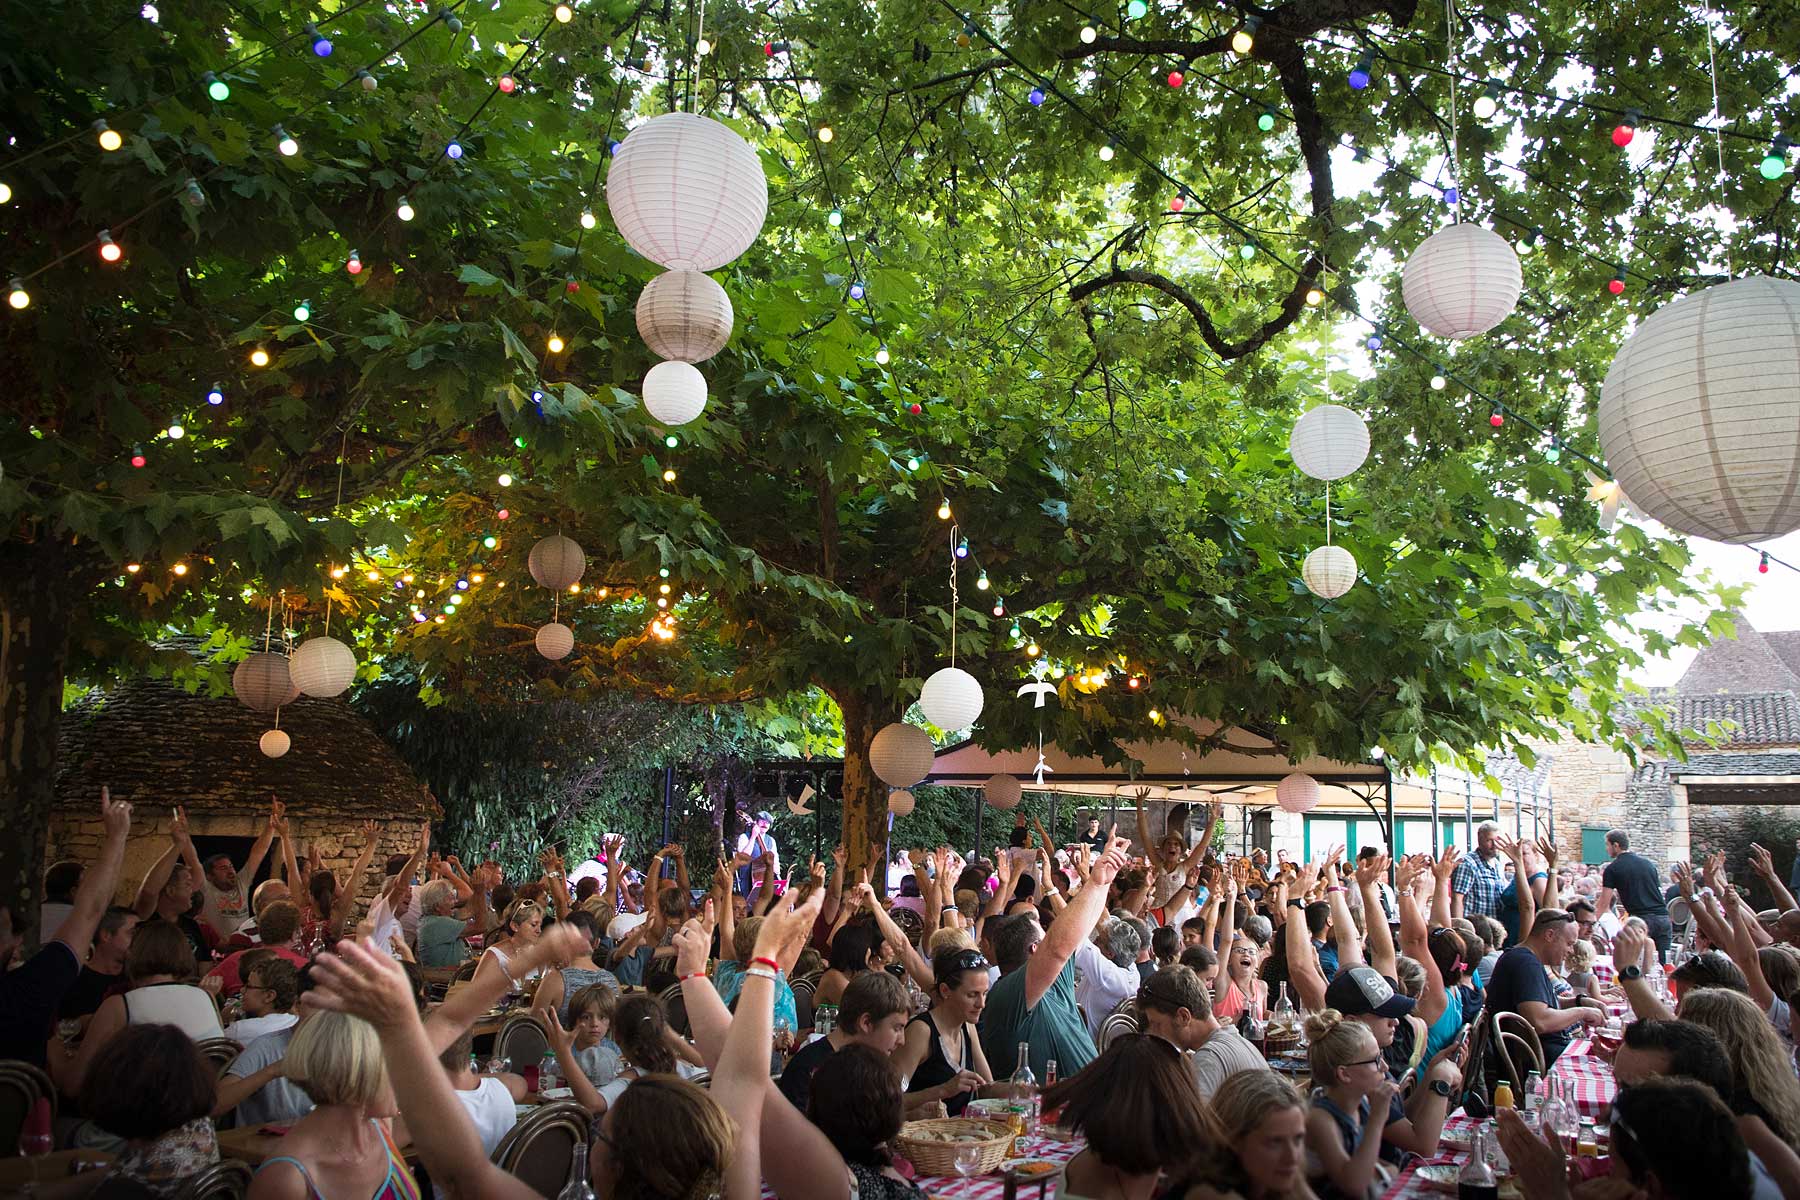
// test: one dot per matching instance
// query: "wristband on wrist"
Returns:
(692, 975)
(1336, 887)
(759, 973)
(767, 962)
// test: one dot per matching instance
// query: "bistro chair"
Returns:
(1519, 1059)
(539, 1148)
(221, 1052)
(1521, 1028)
(674, 1007)
(227, 1179)
(521, 1041)
(1115, 1027)
(21, 1084)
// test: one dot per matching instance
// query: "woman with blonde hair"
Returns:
(344, 1148)
(1353, 1102)
(520, 927)
(1260, 1153)
(1762, 1072)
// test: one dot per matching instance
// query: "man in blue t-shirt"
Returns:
(1521, 984)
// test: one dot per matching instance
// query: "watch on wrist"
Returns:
(1439, 1088)
(1627, 974)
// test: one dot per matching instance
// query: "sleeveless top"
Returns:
(179, 1004)
(1232, 1004)
(398, 1185)
(1351, 1131)
(937, 1068)
(506, 964)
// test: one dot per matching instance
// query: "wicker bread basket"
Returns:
(938, 1157)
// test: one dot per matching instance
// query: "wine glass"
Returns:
(968, 1157)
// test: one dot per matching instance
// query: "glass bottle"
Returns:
(1025, 1087)
(1561, 1118)
(577, 1188)
(546, 1073)
(1284, 1022)
(1534, 1092)
(1476, 1180)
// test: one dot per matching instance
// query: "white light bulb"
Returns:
(587, 220)
(405, 211)
(288, 147)
(1485, 107)
(1106, 153)
(176, 432)
(1088, 34)
(703, 48)
(881, 356)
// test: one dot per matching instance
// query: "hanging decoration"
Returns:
(1462, 281)
(1611, 498)
(323, 666)
(951, 698)
(1003, 791)
(674, 392)
(1700, 412)
(263, 682)
(1329, 571)
(555, 641)
(1041, 688)
(1297, 793)
(687, 192)
(901, 802)
(556, 562)
(275, 743)
(901, 755)
(1329, 442)
(684, 316)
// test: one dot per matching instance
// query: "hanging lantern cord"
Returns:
(955, 602)
(1328, 512)
(1450, 38)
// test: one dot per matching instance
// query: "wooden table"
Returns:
(15, 1173)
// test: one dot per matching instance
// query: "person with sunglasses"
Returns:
(1353, 1103)
(942, 1055)
(1521, 984)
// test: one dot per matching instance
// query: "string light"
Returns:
(669, 475)
(453, 151)
(1088, 35)
(555, 344)
(259, 357)
(588, 220)
(1106, 152)
(1136, 9)
(368, 81)
(1247, 251)
(215, 396)
(1363, 71)
(504, 514)
(1553, 452)
(354, 266)
(1314, 297)
(195, 197)
(858, 290)
(825, 134)
(109, 249)
(217, 88)
(1627, 129)
(1774, 163)
(176, 432)
(490, 541)
(702, 48)
(835, 218)
(462, 585)
(1452, 197)
(1487, 104)
(134, 568)
(662, 602)
(1176, 79)
(180, 568)
(1497, 418)
(663, 572)
(339, 572)
(1438, 382)
(505, 480)
(508, 84)
(999, 609)
(912, 464)
(1134, 683)
(881, 356)
(1763, 566)
(962, 548)
(109, 137)
(981, 583)
(671, 441)
(915, 408)
(564, 14)
(303, 311)
(405, 210)
(1155, 716)
(1036, 96)
(664, 588)
(1244, 40)
(5, 193)
(1616, 285)
(373, 576)
(1265, 120)
(1374, 341)
(321, 45)
(1015, 632)
(944, 511)
(1032, 651)
(137, 457)
(1178, 201)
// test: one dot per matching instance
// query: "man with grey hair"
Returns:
(1108, 965)
(1476, 885)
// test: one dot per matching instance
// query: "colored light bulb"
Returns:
(1136, 9)
(962, 548)
(215, 396)
(137, 456)
(1452, 197)
(462, 585)
(1497, 419)
(194, 196)
(1247, 251)
(944, 511)
(1616, 285)
(109, 138)
(1244, 40)
(1176, 79)
(1625, 130)
(1374, 341)
(180, 568)
(1763, 566)
(508, 84)
(1363, 72)
(217, 88)
(835, 218)
(453, 151)
(1265, 120)
(259, 357)
(354, 266)
(663, 572)
(857, 291)
(368, 81)
(490, 541)
(915, 408)
(519, 441)
(669, 475)
(1177, 203)
(555, 344)
(912, 464)
(1553, 452)
(303, 311)
(671, 441)
(321, 45)
(109, 249)
(1036, 97)
(1032, 651)
(1774, 163)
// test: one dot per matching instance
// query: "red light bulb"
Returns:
(503, 514)
(768, 49)
(1763, 566)
(915, 408)
(1497, 420)
(1176, 204)
(354, 266)
(137, 457)
(1175, 79)
(1622, 135)
(508, 84)
(1616, 286)
(572, 286)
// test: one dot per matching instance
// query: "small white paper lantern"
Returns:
(674, 392)
(1461, 281)
(1297, 793)
(684, 315)
(901, 754)
(263, 682)
(556, 562)
(323, 666)
(951, 699)
(275, 743)
(1329, 572)
(687, 192)
(1329, 442)
(1700, 412)
(555, 641)
(1003, 791)
(901, 803)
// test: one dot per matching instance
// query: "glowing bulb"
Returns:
(405, 210)
(881, 357)
(109, 249)
(176, 432)
(834, 218)
(671, 441)
(1032, 650)
(1439, 383)
(1314, 297)
(1265, 120)
(1154, 715)
(669, 475)
(1106, 152)
(1035, 97)
(1763, 566)
(368, 81)
(1136, 9)
(1774, 163)
(462, 585)
(662, 602)
(406, 578)
(109, 138)
(1553, 451)
(477, 577)
(663, 571)
(1247, 251)
(18, 297)
(303, 311)
(1374, 342)
(588, 220)
(1487, 104)
(505, 480)
(453, 151)
(490, 541)
(982, 583)
(912, 464)
(1176, 79)
(5, 193)
(944, 511)
(1177, 203)
(555, 344)
(285, 143)
(508, 84)
(858, 290)
(134, 568)
(825, 134)
(321, 45)
(663, 588)
(354, 266)
(1362, 72)
(1616, 285)
(504, 514)
(564, 14)
(214, 396)
(1625, 130)
(962, 548)
(1497, 419)
(373, 576)
(137, 457)
(259, 357)
(1088, 35)
(217, 88)
(1134, 683)
(1242, 41)
(702, 47)
(180, 568)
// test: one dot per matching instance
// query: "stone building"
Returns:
(1740, 700)
(158, 745)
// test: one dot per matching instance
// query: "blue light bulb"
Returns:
(857, 291)
(1452, 197)
(1374, 342)
(453, 150)
(1362, 72)
(214, 396)
(1036, 97)
(962, 548)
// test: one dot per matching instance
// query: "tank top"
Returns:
(936, 1068)
(490, 1107)
(1231, 1005)
(397, 1185)
(179, 1004)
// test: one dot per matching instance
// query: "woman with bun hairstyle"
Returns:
(1352, 1104)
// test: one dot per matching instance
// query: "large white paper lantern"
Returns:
(323, 666)
(951, 699)
(1329, 572)
(1003, 791)
(263, 682)
(555, 641)
(901, 754)
(684, 315)
(556, 562)
(1700, 412)
(1461, 281)
(275, 743)
(674, 392)
(901, 803)
(687, 192)
(1329, 442)
(1297, 793)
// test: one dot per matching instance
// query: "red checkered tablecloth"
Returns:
(1592, 1076)
(993, 1187)
(1604, 970)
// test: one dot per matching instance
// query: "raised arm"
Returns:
(144, 905)
(1515, 850)
(345, 902)
(1302, 959)
(1547, 848)
(260, 848)
(1415, 941)
(290, 866)
(97, 885)
(1071, 926)
(917, 967)
(1369, 877)
(1765, 867)
(1343, 923)
(679, 853)
(1443, 870)
(1743, 951)
(412, 864)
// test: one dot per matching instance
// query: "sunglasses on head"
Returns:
(969, 960)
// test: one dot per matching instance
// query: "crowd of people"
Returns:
(1160, 1003)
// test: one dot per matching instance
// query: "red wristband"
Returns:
(692, 975)
(767, 962)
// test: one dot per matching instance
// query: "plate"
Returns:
(1031, 1170)
(1441, 1177)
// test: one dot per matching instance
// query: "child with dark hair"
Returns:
(149, 1086)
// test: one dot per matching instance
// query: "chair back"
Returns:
(1520, 1027)
(539, 1149)
(227, 1179)
(1115, 1026)
(1519, 1058)
(466, 971)
(20, 1086)
(221, 1052)
(522, 1041)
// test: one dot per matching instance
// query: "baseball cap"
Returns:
(1356, 990)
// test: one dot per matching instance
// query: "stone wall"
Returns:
(1594, 786)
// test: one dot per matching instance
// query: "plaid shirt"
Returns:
(1478, 884)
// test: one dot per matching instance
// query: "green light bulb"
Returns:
(664, 572)
(1774, 165)
(218, 90)
(519, 441)
(671, 441)
(912, 464)
(1136, 9)
(1246, 251)
(1016, 632)
(1553, 453)
(835, 219)
(1265, 121)
(302, 311)
(490, 541)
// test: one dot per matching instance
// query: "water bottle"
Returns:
(577, 1188)
(1534, 1088)
(546, 1073)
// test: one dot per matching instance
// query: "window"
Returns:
(1593, 844)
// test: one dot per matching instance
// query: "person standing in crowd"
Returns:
(1091, 837)
(1635, 884)
(167, 893)
(60, 881)
(225, 904)
(757, 843)
(1175, 1005)
(1521, 983)
(1476, 886)
(385, 915)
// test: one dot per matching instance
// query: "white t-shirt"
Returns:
(593, 868)
(381, 916)
(409, 920)
(226, 909)
(1103, 984)
(248, 1029)
(490, 1106)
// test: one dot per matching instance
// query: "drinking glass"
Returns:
(967, 1159)
(68, 1029)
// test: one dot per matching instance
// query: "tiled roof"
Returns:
(1768, 719)
(1656, 775)
(1750, 662)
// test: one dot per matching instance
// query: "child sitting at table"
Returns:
(1578, 970)
(591, 1012)
(1352, 1105)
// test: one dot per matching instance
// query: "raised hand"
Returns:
(693, 942)
(370, 830)
(1629, 946)
(1683, 875)
(788, 925)
(364, 982)
(1407, 874)
(1760, 862)
(178, 826)
(1547, 847)
(1540, 1163)
(1445, 866)
(114, 814)
(1112, 859)
(1374, 871)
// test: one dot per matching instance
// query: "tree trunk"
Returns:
(865, 797)
(39, 582)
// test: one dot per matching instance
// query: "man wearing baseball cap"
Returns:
(1364, 994)
(756, 844)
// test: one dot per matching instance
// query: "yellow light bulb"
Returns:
(564, 14)
(134, 568)
(374, 576)
(574, 589)
(337, 572)
(18, 297)
(1155, 715)
(944, 511)
(180, 568)
(110, 140)
(664, 589)
(1032, 650)
(825, 134)
(669, 475)
(662, 602)
(477, 577)
(1241, 41)
(1314, 297)
(555, 344)
(259, 357)
(419, 595)
(406, 578)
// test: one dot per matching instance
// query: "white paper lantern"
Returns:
(674, 392)
(901, 754)
(1003, 791)
(687, 192)
(1463, 280)
(951, 699)
(555, 641)
(1297, 793)
(323, 666)
(275, 743)
(684, 315)
(556, 562)
(901, 803)
(1329, 442)
(263, 682)
(1700, 412)
(1329, 572)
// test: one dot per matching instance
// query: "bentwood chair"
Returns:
(221, 1052)
(227, 1179)
(522, 1041)
(540, 1148)
(1518, 1058)
(1520, 1027)
(21, 1084)
(1115, 1027)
